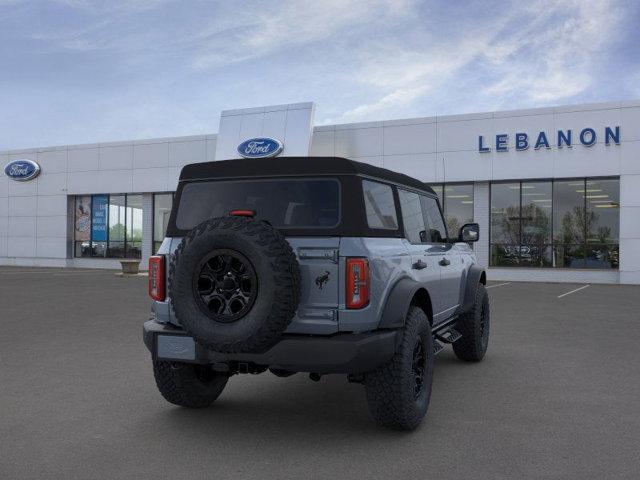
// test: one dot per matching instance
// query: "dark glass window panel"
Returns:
(581, 217)
(134, 249)
(569, 256)
(605, 256)
(568, 212)
(379, 205)
(115, 249)
(134, 224)
(117, 218)
(82, 249)
(505, 255)
(99, 249)
(603, 211)
(536, 222)
(505, 213)
(535, 255)
(412, 217)
(458, 206)
(436, 230)
(283, 203)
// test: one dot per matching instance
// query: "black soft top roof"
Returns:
(294, 166)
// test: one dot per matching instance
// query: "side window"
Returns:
(412, 216)
(379, 205)
(436, 231)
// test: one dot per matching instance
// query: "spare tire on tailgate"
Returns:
(234, 284)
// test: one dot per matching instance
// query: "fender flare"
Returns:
(476, 276)
(398, 302)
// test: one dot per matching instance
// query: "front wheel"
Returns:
(398, 392)
(188, 385)
(474, 327)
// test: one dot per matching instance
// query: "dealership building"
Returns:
(556, 190)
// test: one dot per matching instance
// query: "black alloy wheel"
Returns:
(225, 285)
(234, 284)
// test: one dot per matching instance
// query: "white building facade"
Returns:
(556, 191)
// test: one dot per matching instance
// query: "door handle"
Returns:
(444, 262)
(419, 265)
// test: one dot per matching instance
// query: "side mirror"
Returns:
(423, 236)
(470, 232)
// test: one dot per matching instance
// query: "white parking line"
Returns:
(56, 273)
(573, 291)
(70, 274)
(498, 285)
(23, 273)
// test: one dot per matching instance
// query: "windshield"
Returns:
(284, 203)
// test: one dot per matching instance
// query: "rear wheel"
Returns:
(474, 328)
(188, 385)
(399, 391)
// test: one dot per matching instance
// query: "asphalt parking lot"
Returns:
(558, 396)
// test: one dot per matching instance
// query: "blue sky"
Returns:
(77, 71)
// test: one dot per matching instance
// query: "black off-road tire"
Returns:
(474, 327)
(391, 389)
(277, 277)
(188, 385)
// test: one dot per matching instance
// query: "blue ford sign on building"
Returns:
(260, 148)
(22, 170)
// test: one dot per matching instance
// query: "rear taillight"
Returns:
(156, 278)
(357, 282)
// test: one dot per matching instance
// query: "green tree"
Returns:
(116, 232)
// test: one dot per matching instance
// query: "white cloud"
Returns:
(554, 63)
(255, 33)
(159, 68)
(397, 98)
(543, 52)
(404, 77)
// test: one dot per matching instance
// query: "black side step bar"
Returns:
(445, 333)
(448, 336)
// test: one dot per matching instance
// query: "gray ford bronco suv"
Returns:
(320, 265)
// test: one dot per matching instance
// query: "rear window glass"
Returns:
(283, 203)
(379, 204)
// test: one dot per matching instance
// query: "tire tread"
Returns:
(469, 347)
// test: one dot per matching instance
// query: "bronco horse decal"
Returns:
(322, 279)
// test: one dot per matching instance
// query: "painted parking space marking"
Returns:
(53, 273)
(69, 274)
(573, 291)
(498, 285)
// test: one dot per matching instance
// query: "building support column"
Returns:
(629, 229)
(147, 229)
(481, 215)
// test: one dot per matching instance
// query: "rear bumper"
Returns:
(339, 353)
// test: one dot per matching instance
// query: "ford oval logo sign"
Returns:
(260, 148)
(22, 170)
